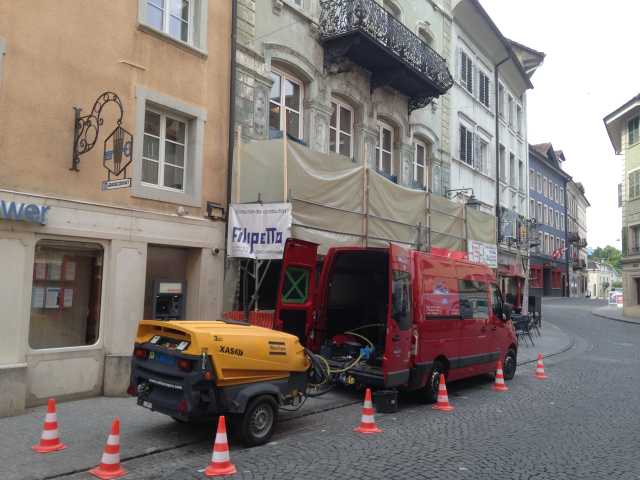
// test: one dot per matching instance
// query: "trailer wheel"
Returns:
(509, 364)
(258, 421)
(433, 382)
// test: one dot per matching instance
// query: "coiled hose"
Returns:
(321, 372)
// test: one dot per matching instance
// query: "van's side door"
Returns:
(295, 308)
(476, 342)
(400, 319)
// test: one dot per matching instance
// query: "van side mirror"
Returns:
(507, 311)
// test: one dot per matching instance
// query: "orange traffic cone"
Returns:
(500, 386)
(220, 462)
(443, 398)
(540, 369)
(49, 440)
(110, 464)
(367, 423)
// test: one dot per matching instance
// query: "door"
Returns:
(501, 333)
(475, 340)
(295, 308)
(400, 320)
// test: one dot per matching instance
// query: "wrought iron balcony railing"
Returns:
(364, 32)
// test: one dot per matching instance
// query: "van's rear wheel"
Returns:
(258, 421)
(510, 364)
(433, 382)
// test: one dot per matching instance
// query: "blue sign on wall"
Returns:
(23, 212)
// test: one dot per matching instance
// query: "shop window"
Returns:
(66, 294)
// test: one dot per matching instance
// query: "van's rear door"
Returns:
(399, 318)
(295, 308)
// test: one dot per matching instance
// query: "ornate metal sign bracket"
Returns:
(87, 129)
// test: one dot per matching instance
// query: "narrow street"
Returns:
(580, 423)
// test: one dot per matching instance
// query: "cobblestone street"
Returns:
(578, 424)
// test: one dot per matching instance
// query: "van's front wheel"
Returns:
(510, 364)
(433, 382)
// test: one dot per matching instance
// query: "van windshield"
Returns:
(401, 299)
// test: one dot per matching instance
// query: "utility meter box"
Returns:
(169, 300)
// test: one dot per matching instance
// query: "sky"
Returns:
(591, 68)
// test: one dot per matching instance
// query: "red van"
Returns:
(395, 318)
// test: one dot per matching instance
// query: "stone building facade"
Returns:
(279, 48)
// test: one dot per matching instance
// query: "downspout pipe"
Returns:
(232, 113)
(497, 107)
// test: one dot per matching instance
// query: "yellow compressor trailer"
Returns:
(197, 370)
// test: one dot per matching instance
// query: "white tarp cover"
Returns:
(258, 230)
(329, 200)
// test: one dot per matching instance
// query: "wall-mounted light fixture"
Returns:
(215, 211)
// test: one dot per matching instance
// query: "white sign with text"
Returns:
(481, 252)
(259, 230)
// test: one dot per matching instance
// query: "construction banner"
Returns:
(258, 231)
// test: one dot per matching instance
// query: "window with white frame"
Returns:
(501, 100)
(633, 130)
(484, 91)
(545, 187)
(540, 247)
(512, 169)
(341, 129)
(546, 243)
(519, 118)
(539, 182)
(502, 156)
(532, 179)
(532, 208)
(562, 196)
(481, 160)
(164, 150)
(420, 164)
(285, 104)
(556, 193)
(384, 148)
(182, 20)
(510, 107)
(466, 145)
(466, 71)
(557, 219)
(546, 215)
(539, 216)
(520, 175)
(634, 185)
(168, 149)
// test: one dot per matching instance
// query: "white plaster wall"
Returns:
(16, 253)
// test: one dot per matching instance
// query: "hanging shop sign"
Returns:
(481, 252)
(258, 231)
(24, 212)
(118, 147)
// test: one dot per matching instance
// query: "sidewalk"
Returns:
(552, 342)
(612, 312)
(84, 425)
